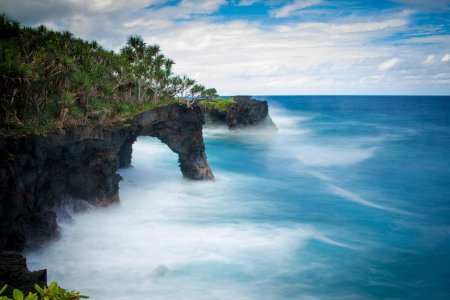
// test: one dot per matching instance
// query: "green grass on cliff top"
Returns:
(221, 104)
(111, 114)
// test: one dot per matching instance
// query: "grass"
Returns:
(13, 129)
(109, 114)
(124, 111)
(220, 104)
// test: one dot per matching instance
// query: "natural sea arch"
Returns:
(177, 126)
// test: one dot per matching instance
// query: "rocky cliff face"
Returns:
(244, 112)
(77, 167)
(14, 272)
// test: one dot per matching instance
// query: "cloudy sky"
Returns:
(273, 47)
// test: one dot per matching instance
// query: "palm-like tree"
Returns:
(196, 91)
(39, 66)
(186, 84)
(209, 94)
(138, 55)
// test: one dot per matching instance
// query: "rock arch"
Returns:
(177, 126)
(40, 174)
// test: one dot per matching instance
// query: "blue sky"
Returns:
(274, 47)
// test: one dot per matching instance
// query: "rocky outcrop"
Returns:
(244, 112)
(40, 175)
(14, 272)
(181, 129)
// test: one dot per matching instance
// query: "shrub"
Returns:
(52, 292)
(221, 104)
(76, 112)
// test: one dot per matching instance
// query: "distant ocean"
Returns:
(349, 200)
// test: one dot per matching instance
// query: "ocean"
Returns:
(350, 199)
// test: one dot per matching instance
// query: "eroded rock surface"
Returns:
(77, 167)
(244, 112)
(14, 272)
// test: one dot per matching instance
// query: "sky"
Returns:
(293, 47)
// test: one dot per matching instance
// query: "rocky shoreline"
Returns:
(77, 166)
(40, 176)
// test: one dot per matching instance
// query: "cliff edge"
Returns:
(242, 112)
(40, 175)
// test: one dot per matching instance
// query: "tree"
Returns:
(174, 87)
(196, 91)
(186, 84)
(141, 58)
(48, 76)
(210, 94)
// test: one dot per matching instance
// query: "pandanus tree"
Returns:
(186, 84)
(122, 80)
(48, 76)
(209, 94)
(150, 70)
(196, 91)
(164, 77)
(159, 74)
(141, 59)
(174, 86)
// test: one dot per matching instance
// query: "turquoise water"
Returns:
(349, 200)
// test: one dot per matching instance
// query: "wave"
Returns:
(313, 153)
(270, 227)
(173, 239)
(351, 196)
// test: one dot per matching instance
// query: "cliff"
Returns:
(15, 273)
(40, 175)
(243, 112)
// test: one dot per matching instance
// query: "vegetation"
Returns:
(221, 104)
(52, 292)
(199, 91)
(53, 79)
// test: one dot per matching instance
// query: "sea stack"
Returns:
(243, 112)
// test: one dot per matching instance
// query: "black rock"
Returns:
(40, 174)
(244, 112)
(14, 272)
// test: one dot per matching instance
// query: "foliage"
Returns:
(52, 292)
(221, 104)
(50, 78)
(22, 129)
(210, 94)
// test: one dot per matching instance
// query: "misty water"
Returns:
(349, 200)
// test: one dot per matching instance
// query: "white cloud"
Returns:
(164, 17)
(442, 39)
(186, 9)
(247, 2)
(153, 23)
(335, 57)
(310, 58)
(388, 64)
(359, 27)
(191, 7)
(431, 59)
(293, 7)
(36, 12)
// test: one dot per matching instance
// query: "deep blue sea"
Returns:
(350, 199)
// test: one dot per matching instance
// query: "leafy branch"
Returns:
(52, 292)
